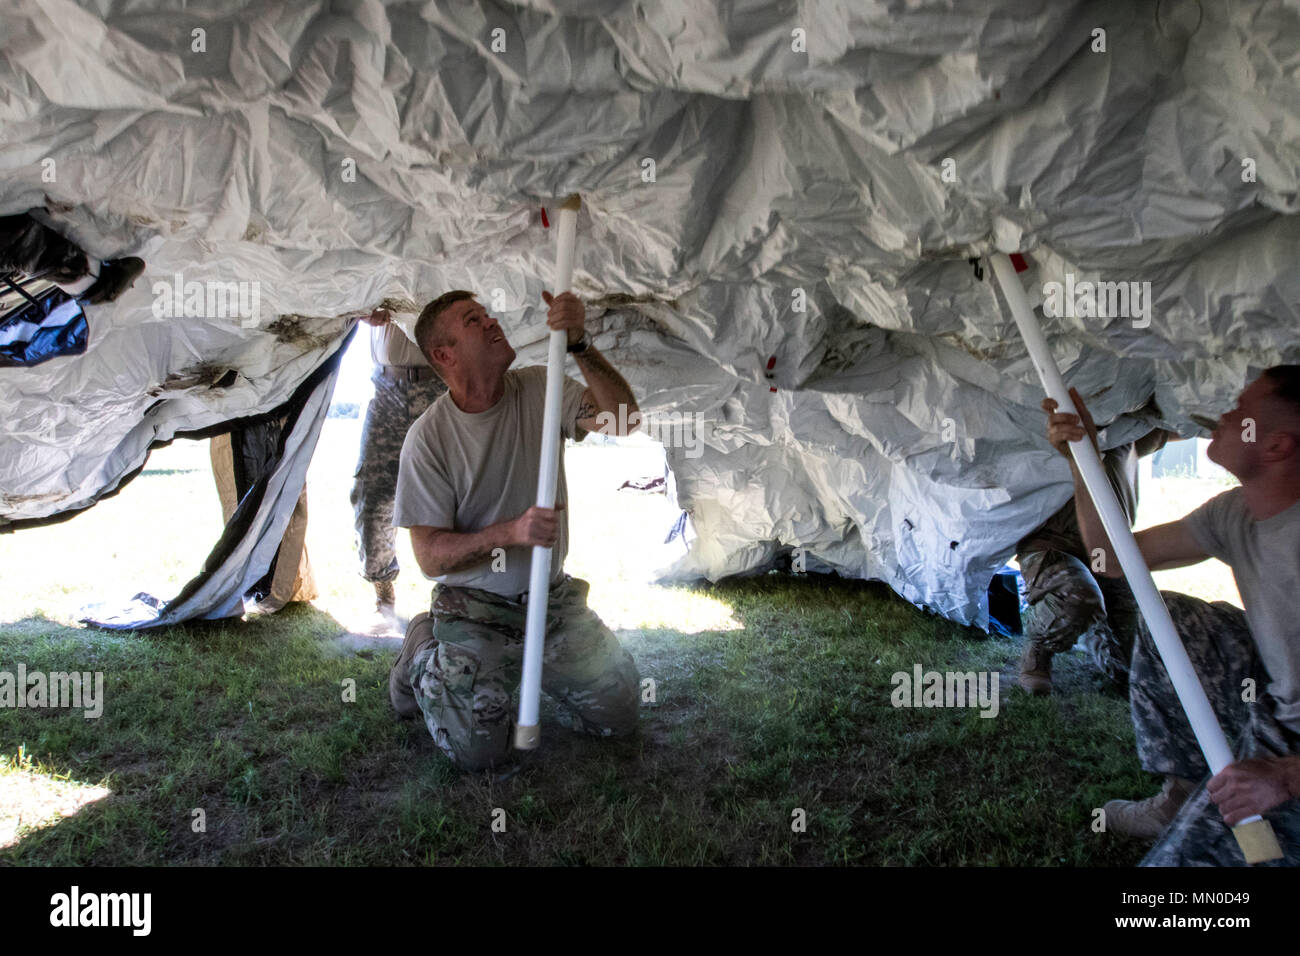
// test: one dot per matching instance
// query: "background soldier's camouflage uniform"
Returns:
(1067, 603)
(397, 403)
(464, 678)
(1223, 654)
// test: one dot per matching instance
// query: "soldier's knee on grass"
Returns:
(612, 712)
(624, 712)
(622, 721)
(478, 756)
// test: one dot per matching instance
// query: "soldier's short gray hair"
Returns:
(427, 334)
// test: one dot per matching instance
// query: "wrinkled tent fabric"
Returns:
(248, 548)
(780, 202)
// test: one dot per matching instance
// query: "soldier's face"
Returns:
(479, 342)
(1235, 444)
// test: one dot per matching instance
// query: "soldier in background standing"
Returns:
(405, 385)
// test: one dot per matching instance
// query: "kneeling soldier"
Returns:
(467, 478)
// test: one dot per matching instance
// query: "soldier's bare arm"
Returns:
(441, 551)
(1169, 546)
(1163, 547)
(1063, 428)
(607, 391)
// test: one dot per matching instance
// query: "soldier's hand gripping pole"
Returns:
(527, 733)
(1254, 835)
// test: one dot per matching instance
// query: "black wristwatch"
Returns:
(580, 346)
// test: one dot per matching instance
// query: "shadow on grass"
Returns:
(236, 743)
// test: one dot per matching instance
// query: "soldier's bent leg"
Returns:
(585, 669)
(463, 686)
(1111, 647)
(1223, 655)
(1063, 597)
(1198, 836)
(375, 481)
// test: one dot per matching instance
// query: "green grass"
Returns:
(772, 694)
(790, 710)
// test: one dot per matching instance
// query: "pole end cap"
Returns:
(528, 737)
(574, 202)
(1257, 840)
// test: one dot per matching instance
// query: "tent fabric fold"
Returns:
(780, 206)
(267, 524)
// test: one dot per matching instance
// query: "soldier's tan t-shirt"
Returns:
(389, 345)
(1265, 560)
(465, 471)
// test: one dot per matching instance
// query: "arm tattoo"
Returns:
(593, 363)
(474, 548)
(477, 556)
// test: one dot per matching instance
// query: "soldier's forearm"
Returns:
(608, 387)
(447, 551)
(1090, 527)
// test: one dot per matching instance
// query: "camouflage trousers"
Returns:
(1222, 651)
(1199, 837)
(394, 407)
(1067, 604)
(464, 683)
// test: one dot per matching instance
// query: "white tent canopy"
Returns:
(780, 202)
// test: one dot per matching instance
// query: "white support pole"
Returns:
(1254, 834)
(527, 733)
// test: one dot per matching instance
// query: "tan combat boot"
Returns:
(1144, 819)
(385, 623)
(1036, 670)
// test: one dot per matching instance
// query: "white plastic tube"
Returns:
(527, 733)
(1187, 685)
